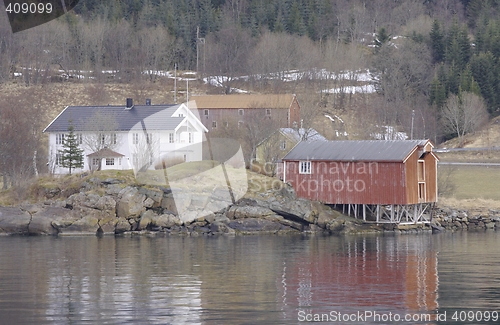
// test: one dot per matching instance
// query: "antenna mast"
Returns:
(175, 83)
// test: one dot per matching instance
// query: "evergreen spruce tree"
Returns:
(437, 42)
(71, 154)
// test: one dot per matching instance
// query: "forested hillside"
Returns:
(429, 68)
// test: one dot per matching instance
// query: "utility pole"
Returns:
(199, 40)
(412, 118)
(175, 83)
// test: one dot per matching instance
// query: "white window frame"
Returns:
(206, 112)
(135, 138)
(283, 145)
(190, 137)
(305, 167)
(58, 159)
(59, 138)
(241, 112)
(110, 161)
(214, 124)
(171, 138)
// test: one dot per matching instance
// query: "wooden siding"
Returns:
(412, 179)
(364, 182)
(232, 116)
(294, 113)
(431, 177)
(411, 166)
(350, 182)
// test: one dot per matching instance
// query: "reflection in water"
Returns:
(397, 274)
(241, 280)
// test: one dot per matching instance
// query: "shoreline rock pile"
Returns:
(111, 207)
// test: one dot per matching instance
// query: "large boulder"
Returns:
(130, 203)
(250, 225)
(166, 221)
(14, 221)
(42, 219)
(248, 211)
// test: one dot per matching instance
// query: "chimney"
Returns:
(130, 103)
(148, 102)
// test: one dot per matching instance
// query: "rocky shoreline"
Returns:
(111, 207)
(453, 220)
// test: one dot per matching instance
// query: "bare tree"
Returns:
(145, 149)
(227, 55)
(156, 43)
(22, 118)
(463, 114)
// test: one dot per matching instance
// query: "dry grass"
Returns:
(473, 187)
(481, 206)
(474, 182)
(470, 156)
(488, 136)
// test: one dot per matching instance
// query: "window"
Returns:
(95, 161)
(181, 115)
(421, 192)
(268, 112)
(113, 138)
(214, 124)
(241, 112)
(119, 161)
(59, 138)
(304, 167)
(205, 112)
(190, 137)
(135, 138)
(103, 138)
(170, 138)
(240, 123)
(283, 145)
(226, 124)
(58, 159)
(149, 138)
(421, 171)
(79, 138)
(110, 161)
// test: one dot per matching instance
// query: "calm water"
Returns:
(245, 280)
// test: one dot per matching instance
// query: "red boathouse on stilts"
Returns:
(383, 181)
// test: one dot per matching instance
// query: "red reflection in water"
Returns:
(364, 276)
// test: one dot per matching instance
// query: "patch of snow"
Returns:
(365, 89)
(390, 134)
(333, 120)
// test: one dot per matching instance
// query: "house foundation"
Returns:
(390, 213)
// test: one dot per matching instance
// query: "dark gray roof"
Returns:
(105, 152)
(153, 117)
(370, 150)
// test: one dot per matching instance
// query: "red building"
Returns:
(217, 111)
(393, 181)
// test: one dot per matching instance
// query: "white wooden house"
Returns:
(127, 137)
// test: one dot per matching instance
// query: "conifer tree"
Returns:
(71, 154)
(437, 42)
